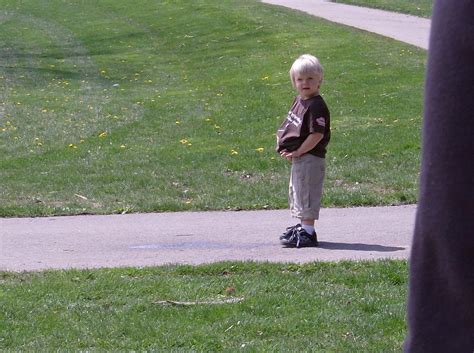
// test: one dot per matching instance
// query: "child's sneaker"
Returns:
(284, 238)
(299, 238)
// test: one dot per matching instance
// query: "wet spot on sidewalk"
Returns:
(200, 245)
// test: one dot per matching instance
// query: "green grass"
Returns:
(317, 307)
(114, 107)
(422, 8)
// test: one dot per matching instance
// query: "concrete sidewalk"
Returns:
(361, 233)
(409, 29)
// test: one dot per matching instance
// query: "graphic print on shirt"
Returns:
(321, 121)
(294, 119)
(290, 130)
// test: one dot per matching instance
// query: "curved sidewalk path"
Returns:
(29, 244)
(409, 29)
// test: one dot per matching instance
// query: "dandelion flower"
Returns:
(103, 134)
(260, 149)
(265, 78)
(184, 141)
(233, 152)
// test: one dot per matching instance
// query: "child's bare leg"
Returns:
(308, 225)
(309, 222)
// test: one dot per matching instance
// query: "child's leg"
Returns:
(312, 192)
(305, 189)
(308, 225)
(308, 222)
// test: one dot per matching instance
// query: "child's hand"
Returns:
(289, 155)
(284, 154)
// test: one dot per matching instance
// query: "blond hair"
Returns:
(306, 65)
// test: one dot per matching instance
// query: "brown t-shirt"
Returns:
(304, 118)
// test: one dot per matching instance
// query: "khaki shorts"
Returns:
(306, 186)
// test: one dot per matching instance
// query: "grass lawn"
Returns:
(318, 307)
(114, 107)
(422, 8)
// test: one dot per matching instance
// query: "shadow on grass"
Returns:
(358, 247)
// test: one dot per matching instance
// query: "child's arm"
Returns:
(311, 141)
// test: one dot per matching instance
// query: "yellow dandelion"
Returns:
(178, 122)
(123, 146)
(265, 78)
(260, 149)
(217, 127)
(233, 152)
(103, 134)
(71, 145)
(184, 141)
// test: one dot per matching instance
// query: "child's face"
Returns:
(307, 85)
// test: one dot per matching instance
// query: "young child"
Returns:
(302, 139)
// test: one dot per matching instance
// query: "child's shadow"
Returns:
(358, 247)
